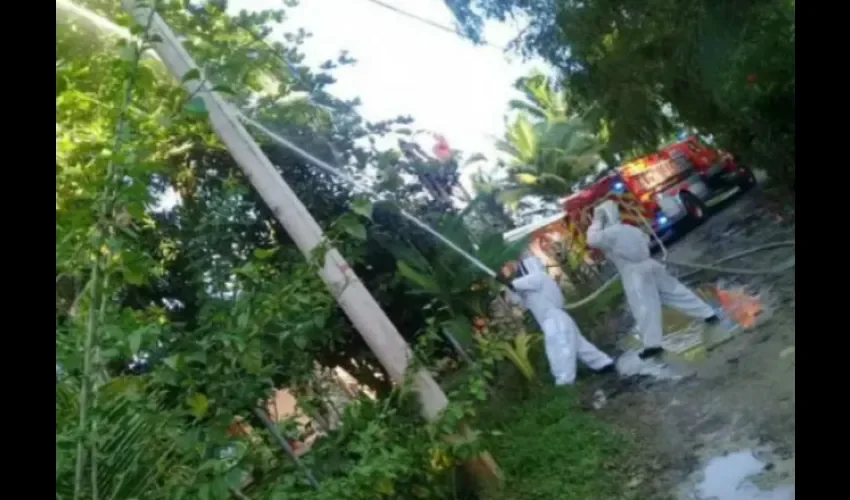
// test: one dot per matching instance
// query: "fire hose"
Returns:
(714, 267)
(336, 172)
(696, 268)
(480, 265)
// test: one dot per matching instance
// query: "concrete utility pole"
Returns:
(353, 297)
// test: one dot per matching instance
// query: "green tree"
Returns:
(220, 220)
(487, 212)
(204, 300)
(549, 148)
(725, 68)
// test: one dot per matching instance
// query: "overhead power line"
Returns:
(430, 23)
(293, 69)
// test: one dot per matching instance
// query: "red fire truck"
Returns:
(681, 179)
(675, 184)
(672, 186)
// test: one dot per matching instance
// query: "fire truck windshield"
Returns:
(653, 176)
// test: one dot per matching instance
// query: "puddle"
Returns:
(728, 432)
(730, 477)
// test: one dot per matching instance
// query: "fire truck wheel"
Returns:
(694, 206)
(748, 181)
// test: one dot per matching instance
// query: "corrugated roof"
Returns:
(520, 232)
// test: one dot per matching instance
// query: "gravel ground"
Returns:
(725, 430)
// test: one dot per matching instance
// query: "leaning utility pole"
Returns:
(353, 297)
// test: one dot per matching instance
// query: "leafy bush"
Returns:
(174, 324)
(382, 449)
(646, 69)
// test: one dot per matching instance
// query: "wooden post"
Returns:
(364, 312)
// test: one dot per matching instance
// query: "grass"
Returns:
(608, 298)
(591, 317)
(551, 449)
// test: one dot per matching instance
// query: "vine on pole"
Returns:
(97, 283)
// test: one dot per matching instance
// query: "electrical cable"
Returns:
(297, 76)
(341, 175)
(430, 23)
(321, 164)
(480, 265)
(785, 266)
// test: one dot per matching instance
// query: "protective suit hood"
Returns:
(542, 296)
(627, 243)
(530, 264)
(612, 212)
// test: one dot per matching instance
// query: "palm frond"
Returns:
(136, 451)
(522, 106)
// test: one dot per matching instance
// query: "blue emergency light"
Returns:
(618, 187)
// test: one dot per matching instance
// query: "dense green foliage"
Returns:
(174, 318)
(550, 148)
(726, 69)
(181, 304)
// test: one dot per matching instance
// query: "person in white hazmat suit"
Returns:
(538, 292)
(646, 282)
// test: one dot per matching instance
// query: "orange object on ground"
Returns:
(739, 305)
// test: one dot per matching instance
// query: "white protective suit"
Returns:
(646, 282)
(540, 294)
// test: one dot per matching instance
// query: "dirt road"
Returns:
(724, 428)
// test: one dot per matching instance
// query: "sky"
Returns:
(446, 83)
(405, 67)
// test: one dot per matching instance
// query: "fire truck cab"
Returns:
(655, 192)
(681, 180)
